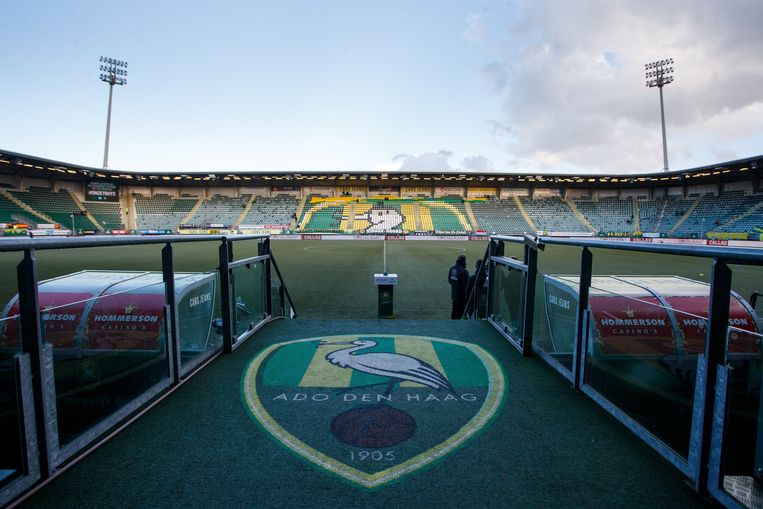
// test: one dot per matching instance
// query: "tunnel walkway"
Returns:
(275, 425)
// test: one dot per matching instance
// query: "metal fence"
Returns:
(685, 380)
(82, 355)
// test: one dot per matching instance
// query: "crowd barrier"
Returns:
(677, 361)
(83, 354)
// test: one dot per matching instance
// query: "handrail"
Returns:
(105, 241)
(285, 289)
(730, 254)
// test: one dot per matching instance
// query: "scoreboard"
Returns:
(99, 190)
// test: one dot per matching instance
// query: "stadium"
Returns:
(717, 202)
(146, 291)
(381, 254)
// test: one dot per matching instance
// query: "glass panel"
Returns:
(508, 298)
(11, 419)
(250, 304)
(196, 256)
(515, 249)
(109, 337)
(644, 334)
(198, 299)
(246, 248)
(556, 302)
(8, 277)
(198, 305)
(742, 468)
(477, 291)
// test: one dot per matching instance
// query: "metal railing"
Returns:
(709, 382)
(63, 396)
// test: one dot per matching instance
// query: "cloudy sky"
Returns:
(510, 86)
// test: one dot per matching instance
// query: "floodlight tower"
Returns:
(113, 72)
(659, 74)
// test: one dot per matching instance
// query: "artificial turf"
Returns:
(549, 446)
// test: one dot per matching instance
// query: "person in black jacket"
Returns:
(458, 278)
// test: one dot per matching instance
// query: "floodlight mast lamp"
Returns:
(659, 74)
(113, 72)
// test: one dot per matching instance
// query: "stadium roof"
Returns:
(31, 166)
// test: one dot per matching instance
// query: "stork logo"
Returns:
(373, 408)
(379, 219)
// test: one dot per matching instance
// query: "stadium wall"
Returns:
(464, 238)
(73, 187)
(8, 180)
(27, 182)
(19, 172)
(507, 192)
(745, 186)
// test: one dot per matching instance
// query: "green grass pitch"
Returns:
(334, 279)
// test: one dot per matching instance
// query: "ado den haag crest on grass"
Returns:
(373, 408)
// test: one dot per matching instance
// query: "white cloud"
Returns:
(436, 162)
(572, 79)
(733, 123)
(477, 163)
(476, 28)
(497, 127)
(496, 76)
(428, 161)
(387, 167)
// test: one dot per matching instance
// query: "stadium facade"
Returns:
(723, 202)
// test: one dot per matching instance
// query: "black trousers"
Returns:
(458, 309)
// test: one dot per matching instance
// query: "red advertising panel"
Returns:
(660, 315)
(59, 324)
(109, 310)
(632, 326)
(691, 313)
(126, 321)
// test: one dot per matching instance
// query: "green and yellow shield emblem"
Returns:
(373, 408)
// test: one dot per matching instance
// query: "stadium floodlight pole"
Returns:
(659, 74)
(113, 72)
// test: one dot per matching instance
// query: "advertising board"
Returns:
(645, 315)
(107, 310)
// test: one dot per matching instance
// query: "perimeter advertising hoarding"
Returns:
(49, 233)
(100, 190)
(383, 190)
